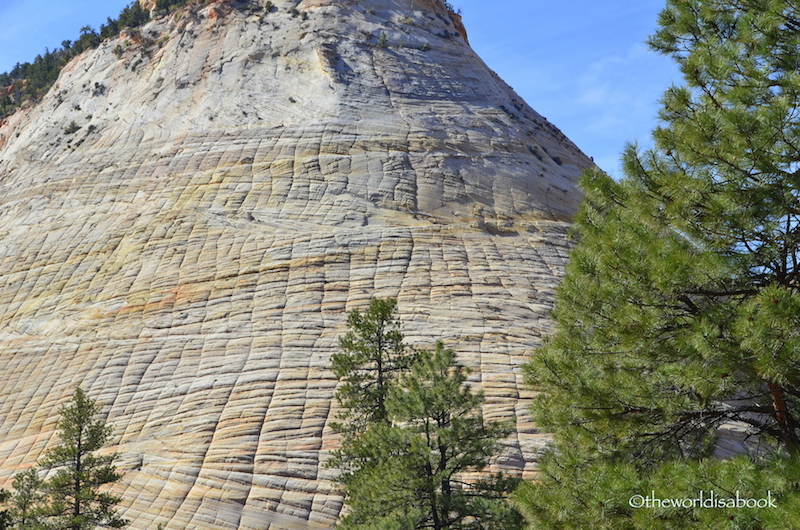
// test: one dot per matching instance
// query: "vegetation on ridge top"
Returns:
(29, 81)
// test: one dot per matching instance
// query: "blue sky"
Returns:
(580, 63)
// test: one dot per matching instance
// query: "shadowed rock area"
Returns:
(185, 223)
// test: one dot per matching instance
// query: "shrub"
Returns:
(72, 128)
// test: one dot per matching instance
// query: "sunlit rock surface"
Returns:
(184, 224)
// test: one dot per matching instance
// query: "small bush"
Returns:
(425, 47)
(383, 41)
(72, 128)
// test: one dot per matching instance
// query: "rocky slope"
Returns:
(188, 214)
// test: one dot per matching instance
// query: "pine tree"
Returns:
(5, 516)
(680, 310)
(76, 502)
(28, 503)
(372, 353)
(445, 436)
(406, 472)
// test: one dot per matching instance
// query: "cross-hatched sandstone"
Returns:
(239, 181)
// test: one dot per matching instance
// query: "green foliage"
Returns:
(76, 502)
(70, 499)
(402, 467)
(72, 128)
(5, 516)
(170, 5)
(680, 308)
(372, 353)
(576, 493)
(297, 13)
(29, 506)
(110, 29)
(133, 16)
(383, 41)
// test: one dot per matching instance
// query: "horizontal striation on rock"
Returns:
(189, 254)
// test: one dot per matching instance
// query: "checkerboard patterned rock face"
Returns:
(238, 181)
